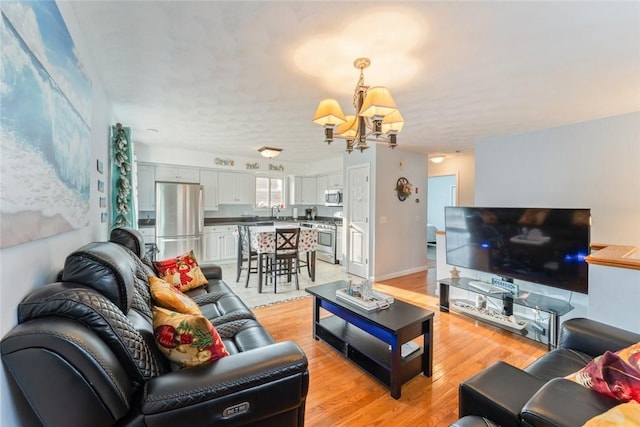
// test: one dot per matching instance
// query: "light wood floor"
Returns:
(340, 394)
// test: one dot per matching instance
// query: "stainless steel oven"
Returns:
(326, 248)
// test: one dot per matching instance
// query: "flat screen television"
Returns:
(545, 246)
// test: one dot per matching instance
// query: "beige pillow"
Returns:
(626, 414)
(168, 296)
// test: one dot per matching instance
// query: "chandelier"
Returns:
(376, 115)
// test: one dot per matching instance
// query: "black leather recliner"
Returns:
(83, 352)
(539, 395)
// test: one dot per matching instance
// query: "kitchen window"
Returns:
(269, 192)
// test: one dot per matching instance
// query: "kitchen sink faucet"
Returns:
(273, 215)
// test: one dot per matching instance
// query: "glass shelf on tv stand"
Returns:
(553, 306)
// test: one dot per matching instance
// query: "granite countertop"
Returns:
(147, 223)
(253, 220)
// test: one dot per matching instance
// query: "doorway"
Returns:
(441, 191)
(357, 219)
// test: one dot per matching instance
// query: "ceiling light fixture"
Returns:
(269, 152)
(437, 159)
(376, 115)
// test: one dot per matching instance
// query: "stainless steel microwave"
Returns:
(333, 197)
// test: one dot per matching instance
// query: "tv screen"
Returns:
(545, 246)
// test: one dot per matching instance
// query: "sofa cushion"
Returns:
(187, 339)
(561, 402)
(182, 271)
(242, 335)
(558, 363)
(168, 296)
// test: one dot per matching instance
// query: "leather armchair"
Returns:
(83, 354)
(539, 394)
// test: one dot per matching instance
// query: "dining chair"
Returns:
(284, 260)
(245, 253)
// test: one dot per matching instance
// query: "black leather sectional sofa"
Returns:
(83, 352)
(539, 395)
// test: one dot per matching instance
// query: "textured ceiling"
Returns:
(230, 77)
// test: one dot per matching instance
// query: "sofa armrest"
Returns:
(564, 403)
(59, 363)
(247, 386)
(211, 271)
(593, 337)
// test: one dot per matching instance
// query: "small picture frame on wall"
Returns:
(103, 217)
(100, 166)
(101, 186)
(103, 202)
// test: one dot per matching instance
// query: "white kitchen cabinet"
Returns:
(220, 243)
(321, 185)
(177, 174)
(309, 192)
(209, 182)
(335, 180)
(295, 190)
(303, 190)
(146, 188)
(236, 188)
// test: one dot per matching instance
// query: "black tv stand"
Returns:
(553, 306)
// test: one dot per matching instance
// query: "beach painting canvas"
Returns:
(45, 134)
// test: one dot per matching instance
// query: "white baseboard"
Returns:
(400, 273)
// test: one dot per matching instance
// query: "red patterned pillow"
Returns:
(182, 271)
(614, 374)
(186, 339)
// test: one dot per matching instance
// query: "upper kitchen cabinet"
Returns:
(322, 182)
(209, 182)
(146, 188)
(236, 188)
(177, 174)
(334, 180)
(303, 190)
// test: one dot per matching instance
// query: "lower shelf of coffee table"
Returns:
(366, 351)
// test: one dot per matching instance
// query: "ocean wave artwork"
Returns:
(45, 136)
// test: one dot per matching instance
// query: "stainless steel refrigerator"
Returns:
(179, 219)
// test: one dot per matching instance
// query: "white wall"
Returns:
(594, 165)
(463, 167)
(439, 197)
(144, 153)
(31, 265)
(400, 244)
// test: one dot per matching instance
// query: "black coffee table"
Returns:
(373, 340)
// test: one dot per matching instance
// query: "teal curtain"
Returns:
(123, 209)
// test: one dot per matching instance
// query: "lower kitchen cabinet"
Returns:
(220, 243)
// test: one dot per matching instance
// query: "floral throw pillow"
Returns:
(182, 271)
(613, 374)
(186, 339)
(168, 296)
